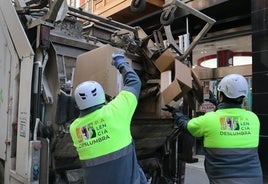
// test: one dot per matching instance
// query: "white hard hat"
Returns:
(233, 86)
(88, 94)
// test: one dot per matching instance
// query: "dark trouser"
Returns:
(257, 180)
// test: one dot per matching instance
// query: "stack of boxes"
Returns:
(176, 77)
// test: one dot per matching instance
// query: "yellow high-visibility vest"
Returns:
(227, 128)
(105, 130)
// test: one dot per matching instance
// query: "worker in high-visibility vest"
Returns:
(230, 135)
(101, 134)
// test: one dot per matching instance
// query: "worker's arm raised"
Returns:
(131, 80)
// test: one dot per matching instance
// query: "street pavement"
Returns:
(195, 172)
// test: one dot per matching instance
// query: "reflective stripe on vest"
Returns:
(109, 157)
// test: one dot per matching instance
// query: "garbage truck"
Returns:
(41, 44)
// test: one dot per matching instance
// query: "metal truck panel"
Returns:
(15, 83)
(24, 116)
(4, 87)
(16, 31)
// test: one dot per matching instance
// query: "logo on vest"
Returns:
(92, 133)
(232, 126)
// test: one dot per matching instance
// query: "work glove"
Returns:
(180, 119)
(212, 99)
(118, 59)
(170, 109)
(186, 140)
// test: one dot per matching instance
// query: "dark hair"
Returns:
(226, 99)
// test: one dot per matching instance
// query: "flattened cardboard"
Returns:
(197, 88)
(96, 65)
(183, 75)
(165, 80)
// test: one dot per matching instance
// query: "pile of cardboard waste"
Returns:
(177, 80)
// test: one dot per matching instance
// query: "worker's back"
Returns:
(231, 137)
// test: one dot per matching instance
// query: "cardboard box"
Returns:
(172, 92)
(165, 61)
(197, 88)
(184, 75)
(96, 65)
(165, 80)
(181, 84)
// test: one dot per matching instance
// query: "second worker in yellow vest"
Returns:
(230, 135)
